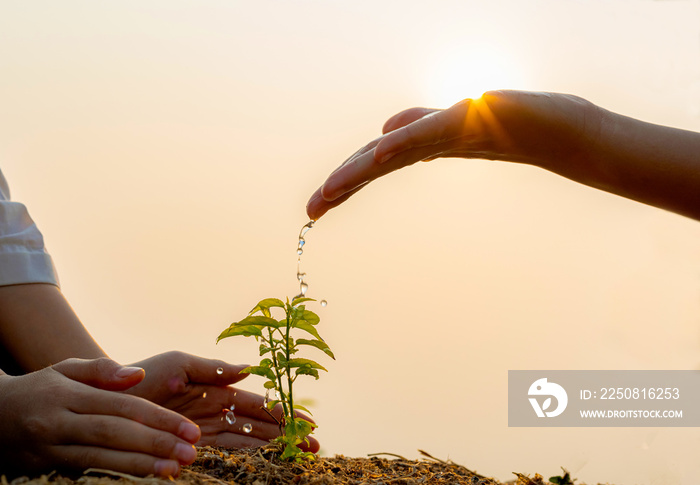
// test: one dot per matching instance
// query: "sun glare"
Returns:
(468, 74)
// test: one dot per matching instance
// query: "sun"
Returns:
(468, 73)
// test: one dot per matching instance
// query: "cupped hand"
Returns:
(193, 387)
(543, 129)
(68, 417)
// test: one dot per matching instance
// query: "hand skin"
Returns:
(39, 329)
(66, 417)
(178, 381)
(565, 134)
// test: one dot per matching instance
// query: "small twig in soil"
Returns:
(425, 453)
(390, 454)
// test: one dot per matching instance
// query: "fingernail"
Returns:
(386, 157)
(185, 453)
(166, 468)
(189, 431)
(128, 371)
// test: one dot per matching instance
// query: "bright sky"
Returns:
(167, 150)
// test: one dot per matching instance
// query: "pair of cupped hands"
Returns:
(141, 419)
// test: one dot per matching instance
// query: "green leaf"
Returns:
(304, 428)
(245, 330)
(266, 363)
(296, 301)
(319, 344)
(259, 370)
(306, 371)
(269, 384)
(309, 316)
(303, 408)
(305, 456)
(259, 321)
(290, 431)
(299, 362)
(272, 404)
(264, 349)
(266, 304)
(307, 327)
(290, 451)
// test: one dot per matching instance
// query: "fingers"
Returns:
(97, 402)
(405, 117)
(83, 457)
(248, 410)
(125, 435)
(352, 176)
(101, 373)
(215, 372)
(420, 133)
(317, 205)
(436, 126)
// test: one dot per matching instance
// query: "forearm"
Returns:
(649, 163)
(653, 164)
(39, 328)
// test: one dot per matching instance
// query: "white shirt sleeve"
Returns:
(23, 257)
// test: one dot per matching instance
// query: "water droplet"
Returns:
(324, 303)
(305, 229)
(300, 251)
(300, 276)
(303, 288)
(277, 395)
(220, 370)
(204, 395)
(233, 406)
(247, 427)
(230, 417)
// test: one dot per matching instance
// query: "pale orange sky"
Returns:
(167, 149)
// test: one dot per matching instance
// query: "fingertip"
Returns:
(166, 468)
(312, 205)
(130, 372)
(189, 431)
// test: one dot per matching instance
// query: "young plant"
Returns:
(280, 368)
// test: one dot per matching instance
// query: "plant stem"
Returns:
(275, 366)
(289, 373)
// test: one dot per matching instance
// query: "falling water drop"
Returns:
(233, 406)
(247, 427)
(204, 395)
(324, 303)
(306, 228)
(220, 370)
(303, 286)
(230, 417)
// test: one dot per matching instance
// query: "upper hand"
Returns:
(180, 381)
(66, 416)
(543, 129)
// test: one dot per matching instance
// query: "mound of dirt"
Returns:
(219, 466)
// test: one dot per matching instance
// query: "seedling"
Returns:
(280, 368)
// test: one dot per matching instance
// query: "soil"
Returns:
(219, 466)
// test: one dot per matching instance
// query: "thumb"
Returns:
(102, 373)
